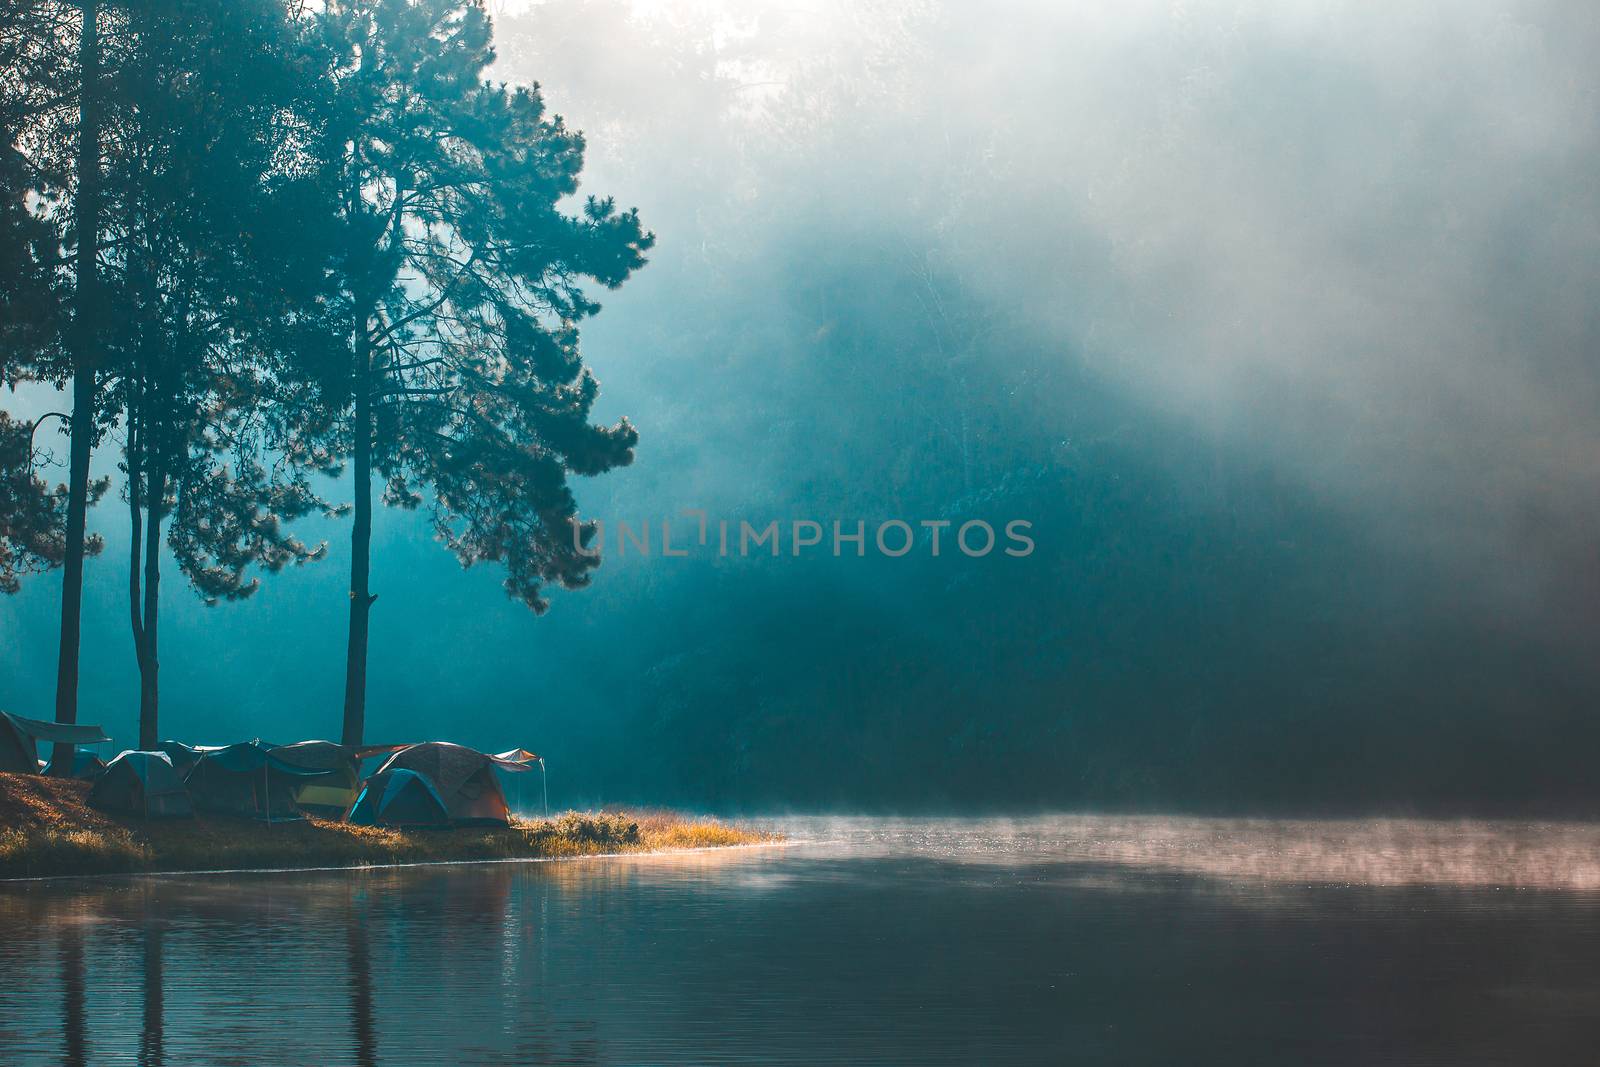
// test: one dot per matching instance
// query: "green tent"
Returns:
(183, 756)
(86, 765)
(247, 780)
(333, 792)
(143, 784)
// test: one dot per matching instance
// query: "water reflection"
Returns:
(878, 942)
(360, 977)
(73, 1030)
(150, 1048)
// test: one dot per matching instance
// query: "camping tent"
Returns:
(464, 778)
(247, 780)
(19, 739)
(332, 793)
(141, 783)
(183, 756)
(17, 752)
(399, 798)
(86, 765)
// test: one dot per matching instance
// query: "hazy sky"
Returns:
(1357, 238)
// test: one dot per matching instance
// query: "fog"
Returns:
(1275, 319)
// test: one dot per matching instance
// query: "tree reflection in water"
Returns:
(73, 1023)
(150, 1032)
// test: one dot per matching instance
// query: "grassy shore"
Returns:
(47, 828)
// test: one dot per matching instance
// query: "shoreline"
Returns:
(48, 831)
(776, 841)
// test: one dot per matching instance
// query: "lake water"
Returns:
(1092, 940)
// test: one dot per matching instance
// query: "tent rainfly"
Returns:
(143, 784)
(86, 765)
(332, 793)
(463, 777)
(249, 781)
(183, 756)
(19, 737)
(399, 798)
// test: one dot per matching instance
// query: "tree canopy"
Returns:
(264, 242)
(465, 281)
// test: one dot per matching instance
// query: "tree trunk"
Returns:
(355, 680)
(82, 428)
(83, 385)
(136, 443)
(150, 662)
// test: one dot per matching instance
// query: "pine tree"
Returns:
(464, 282)
(53, 91)
(216, 272)
(158, 234)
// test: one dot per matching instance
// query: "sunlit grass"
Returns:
(49, 830)
(49, 850)
(666, 829)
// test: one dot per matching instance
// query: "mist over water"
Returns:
(1260, 852)
(1275, 319)
(921, 941)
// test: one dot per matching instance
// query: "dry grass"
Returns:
(46, 825)
(46, 828)
(665, 829)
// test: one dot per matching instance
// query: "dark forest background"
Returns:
(1276, 320)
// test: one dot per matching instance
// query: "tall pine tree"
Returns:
(54, 88)
(216, 274)
(464, 282)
